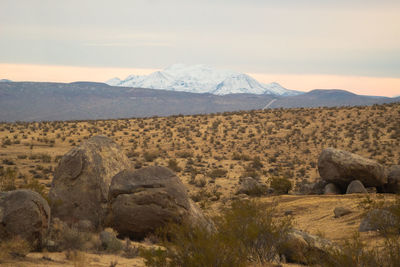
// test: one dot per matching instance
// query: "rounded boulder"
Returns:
(356, 187)
(79, 190)
(26, 214)
(332, 189)
(143, 200)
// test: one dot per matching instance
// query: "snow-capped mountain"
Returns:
(201, 79)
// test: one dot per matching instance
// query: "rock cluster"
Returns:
(95, 185)
(349, 173)
(79, 190)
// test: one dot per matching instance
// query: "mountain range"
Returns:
(202, 79)
(39, 101)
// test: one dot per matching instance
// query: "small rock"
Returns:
(332, 189)
(371, 190)
(288, 212)
(340, 211)
(356, 187)
(51, 246)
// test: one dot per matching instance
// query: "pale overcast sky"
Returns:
(271, 39)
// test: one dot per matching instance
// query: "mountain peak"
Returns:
(201, 78)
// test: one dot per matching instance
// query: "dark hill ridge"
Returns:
(35, 101)
(30, 101)
(329, 98)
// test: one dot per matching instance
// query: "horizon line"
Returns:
(362, 85)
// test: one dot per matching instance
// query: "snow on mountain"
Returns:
(114, 81)
(239, 84)
(201, 79)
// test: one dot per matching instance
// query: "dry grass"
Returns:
(269, 143)
(211, 152)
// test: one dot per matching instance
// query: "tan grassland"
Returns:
(213, 151)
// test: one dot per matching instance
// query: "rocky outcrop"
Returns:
(332, 189)
(79, 190)
(24, 213)
(143, 200)
(341, 167)
(356, 187)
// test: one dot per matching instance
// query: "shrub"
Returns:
(130, 251)
(256, 163)
(7, 180)
(281, 185)
(357, 253)
(46, 158)
(110, 242)
(150, 156)
(69, 238)
(6, 142)
(173, 165)
(248, 230)
(36, 186)
(217, 173)
(184, 154)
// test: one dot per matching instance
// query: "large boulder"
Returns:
(79, 190)
(24, 213)
(379, 220)
(304, 248)
(341, 167)
(393, 177)
(356, 187)
(143, 200)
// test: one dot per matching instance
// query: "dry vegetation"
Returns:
(210, 153)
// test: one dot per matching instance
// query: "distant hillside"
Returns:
(29, 101)
(329, 98)
(32, 101)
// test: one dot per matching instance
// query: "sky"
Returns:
(301, 44)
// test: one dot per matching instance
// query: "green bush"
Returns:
(247, 231)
